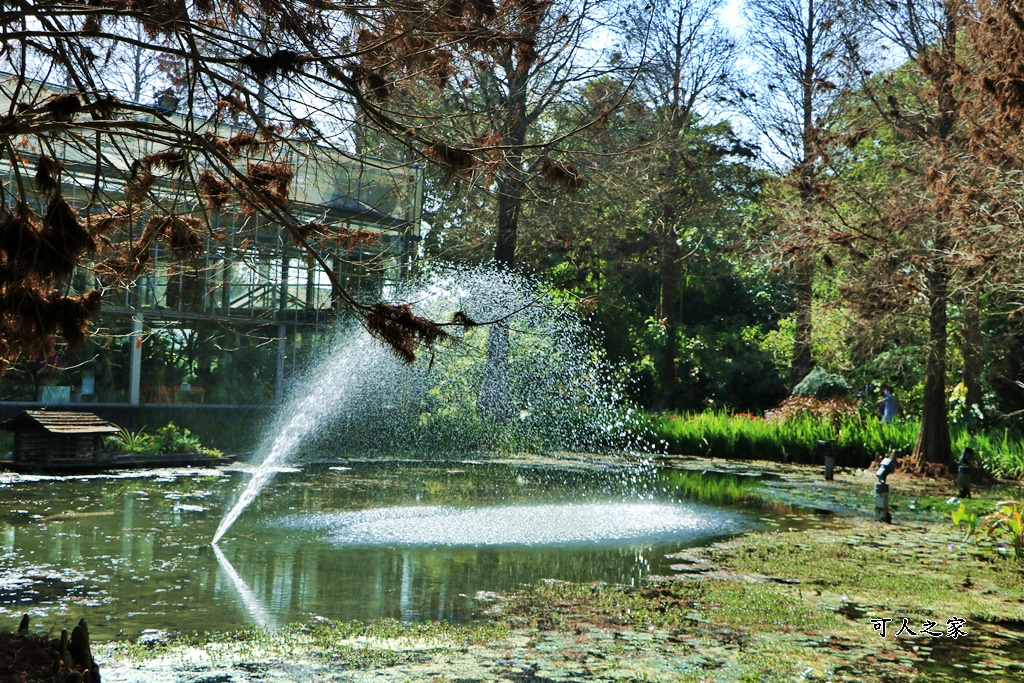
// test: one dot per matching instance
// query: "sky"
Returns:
(732, 15)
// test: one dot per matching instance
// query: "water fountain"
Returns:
(375, 537)
(358, 396)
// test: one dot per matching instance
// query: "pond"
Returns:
(131, 552)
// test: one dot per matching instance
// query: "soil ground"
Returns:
(805, 599)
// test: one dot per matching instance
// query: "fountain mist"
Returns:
(554, 392)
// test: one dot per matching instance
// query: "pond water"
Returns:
(131, 552)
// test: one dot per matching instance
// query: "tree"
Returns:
(925, 116)
(683, 60)
(296, 77)
(485, 107)
(799, 46)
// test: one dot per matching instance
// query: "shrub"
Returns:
(821, 384)
(831, 409)
(168, 439)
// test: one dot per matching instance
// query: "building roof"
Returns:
(58, 422)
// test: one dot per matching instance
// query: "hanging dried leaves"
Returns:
(170, 159)
(273, 66)
(48, 172)
(402, 330)
(452, 160)
(63, 107)
(564, 175)
(272, 178)
(213, 190)
(62, 241)
(181, 233)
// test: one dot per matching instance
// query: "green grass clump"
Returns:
(855, 440)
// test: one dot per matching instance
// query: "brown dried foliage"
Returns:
(565, 175)
(402, 330)
(452, 160)
(273, 178)
(105, 223)
(138, 185)
(830, 409)
(334, 235)
(62, 241)
(244, 142)
(371, 81)
(181, 234)
(169, 159)
(215, 191)
(63, 107)
(130, 259)
(272, 66)
(48, 172)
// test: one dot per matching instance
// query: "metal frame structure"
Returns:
(252, 276)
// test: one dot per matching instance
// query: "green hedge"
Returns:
(855, 441)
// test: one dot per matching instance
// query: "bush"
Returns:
(821, 384)
(168, 439)
(830, 409)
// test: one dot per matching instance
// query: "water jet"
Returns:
(357, 396)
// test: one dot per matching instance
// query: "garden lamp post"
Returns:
(882, 490)
(963, 478)
(830, 459)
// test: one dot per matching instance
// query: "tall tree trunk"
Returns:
(804, 268)
(932, 451)
(667, 313)
(802, 359)
(971, 350)
(494, 400)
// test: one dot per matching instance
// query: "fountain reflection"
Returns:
(253, 606)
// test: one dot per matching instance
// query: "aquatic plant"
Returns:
(856, 442)
(1006, 522)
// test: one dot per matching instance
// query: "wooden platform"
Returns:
(103, 463)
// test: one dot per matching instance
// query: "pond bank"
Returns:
(775, 605)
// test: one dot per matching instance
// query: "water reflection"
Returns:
(133, 553)
(253, 607)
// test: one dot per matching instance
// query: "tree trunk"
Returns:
(494, 401)
(667, 313)
(971, 350)
(802, 359)
(932, 452)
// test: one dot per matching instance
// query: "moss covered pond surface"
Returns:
(794, 602)
(805, 597)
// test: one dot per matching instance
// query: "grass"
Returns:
(855, 441)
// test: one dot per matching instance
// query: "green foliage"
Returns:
(821, 384)
(168, 439)
(902, 369)
(127, 441)
(856, 441)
